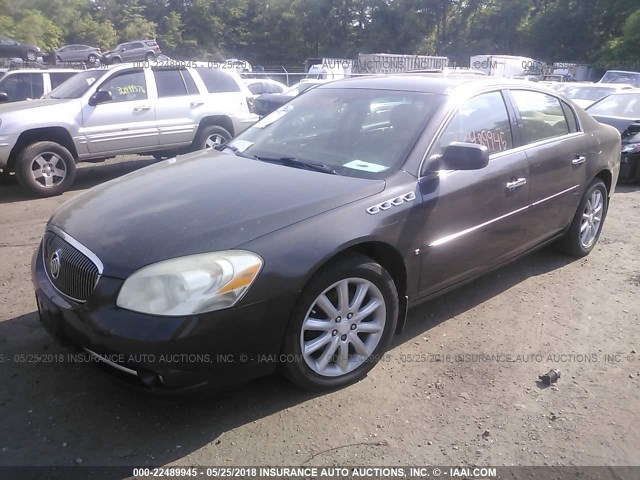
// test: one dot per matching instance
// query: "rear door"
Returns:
(134, 51)
(179, 107)
(474, 219)
(128, 122)
(557, 153)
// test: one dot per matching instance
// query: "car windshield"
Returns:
(632, 78)
(626, 105)
(589, 93)
(362, 133)
(77, 85)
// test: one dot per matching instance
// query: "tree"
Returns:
(91, 32)
(34, 28)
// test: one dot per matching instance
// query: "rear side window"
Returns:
(217, 80)
(58, 78)
(151, 43)
(169, 83)
(256, 88)
(542, 115)
(191, 85)
(483, 120)
(271, 88)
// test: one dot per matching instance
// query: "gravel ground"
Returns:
(434, 400)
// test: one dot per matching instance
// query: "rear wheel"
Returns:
(587, 223)
(341, 325)
(210, 137)
(45, 168)
(149, 56)
(32, 56)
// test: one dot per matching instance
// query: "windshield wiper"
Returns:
(294, 162)
(235, 150)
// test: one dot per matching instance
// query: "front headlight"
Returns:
(631, 148)
(190, 285)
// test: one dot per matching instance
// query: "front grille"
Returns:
(76, 274)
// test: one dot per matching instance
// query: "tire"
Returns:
(211, 136)
(31, 56)
(46, 169)
(92, 59)
(577, 242)
(149, 56)
(322, 368)
(115, 60)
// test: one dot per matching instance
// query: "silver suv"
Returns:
(123, 109)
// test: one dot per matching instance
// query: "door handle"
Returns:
(141, 108)
(516, 183)
(579, 160)
(196, 104)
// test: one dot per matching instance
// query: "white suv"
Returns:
(123, 109)
(30, 83)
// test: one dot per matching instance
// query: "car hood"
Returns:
(209, 201)
(31, 104)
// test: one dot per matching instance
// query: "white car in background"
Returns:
(587, 94)
(258, 86)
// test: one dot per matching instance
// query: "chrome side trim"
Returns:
(76, 244)
(554, 196)
(100, 358)
(453, 236)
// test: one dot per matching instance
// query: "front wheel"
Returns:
(45, 168)
(92, 59)
(587, 223)
(210, 137)
(341, 325)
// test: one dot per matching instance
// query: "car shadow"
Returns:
(627, 187)
(88, 175)
(52, 408)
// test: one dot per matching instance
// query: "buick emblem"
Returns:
(54, 264)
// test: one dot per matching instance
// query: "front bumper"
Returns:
(629, 168)
(6, 144)
(165, 354)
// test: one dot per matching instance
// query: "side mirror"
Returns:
(465, 156)
(4, 97)
(101, 96)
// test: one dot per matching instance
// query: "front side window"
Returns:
(482, 120)
(362, 133)
(126, 87)
(542, 115)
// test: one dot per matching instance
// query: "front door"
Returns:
(474, 219)
(125, 124)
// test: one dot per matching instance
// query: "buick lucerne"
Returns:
(301, 244)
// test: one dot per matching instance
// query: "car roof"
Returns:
(432, 83)
(43, 70)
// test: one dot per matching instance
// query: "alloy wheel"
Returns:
(48, 169)
(591, 219)
(343, 327)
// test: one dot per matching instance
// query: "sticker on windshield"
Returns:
(276, 115)
(242, 145)
(365, 166)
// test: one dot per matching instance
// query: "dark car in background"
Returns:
(622, 111)
(268, 102)
(78, 53)
(10, 48)
(302, 242)
(133, 51)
